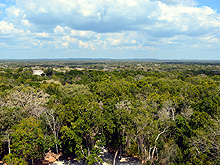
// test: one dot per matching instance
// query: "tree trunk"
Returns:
(173, 114)
(116, 153)
(87, 146)
(120, 153)
(8, 139)
(56, 145)
(57, 149)
(152, 156)
(155, 146)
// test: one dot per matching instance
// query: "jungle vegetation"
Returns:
(162, 112)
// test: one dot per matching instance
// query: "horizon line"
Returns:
(113, 59)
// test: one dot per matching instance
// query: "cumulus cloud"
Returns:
(59, 29)
(13, 11)
(2, 5)
(176, 2)
(98, 16)
(110, 24)
(8, 28)
(160, 18)
(12, 37)
(189, 19)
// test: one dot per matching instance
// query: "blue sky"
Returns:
(214, 4)
(119, 29)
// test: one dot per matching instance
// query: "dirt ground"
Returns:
(107, 158)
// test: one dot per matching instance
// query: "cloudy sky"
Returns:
(161, 29)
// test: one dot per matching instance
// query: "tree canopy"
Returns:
(159, 112)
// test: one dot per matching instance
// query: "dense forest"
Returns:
(161, 112)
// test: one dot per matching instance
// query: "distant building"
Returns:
(80, 69)
(38, 72)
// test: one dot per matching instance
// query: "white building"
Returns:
(38, 72)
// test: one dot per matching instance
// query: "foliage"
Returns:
(14, 159)
(161, 112)
(28, 140)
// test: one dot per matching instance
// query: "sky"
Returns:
(117, 29)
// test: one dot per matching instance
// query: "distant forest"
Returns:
(161, 112)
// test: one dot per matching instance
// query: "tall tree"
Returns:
(28, 140)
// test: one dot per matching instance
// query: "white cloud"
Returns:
(83, 44)
(160, 18)
(8, 28)
(2, 5)
(110, 25)
(181, 17)
(59, 29)
(44, 34)
(69, 39)
(114, 42)
(133, 41)
(25, 22)
(176, 2)
(210, 39)
(99, 15)
(65, 44)
(3, 45)
(13, 11)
